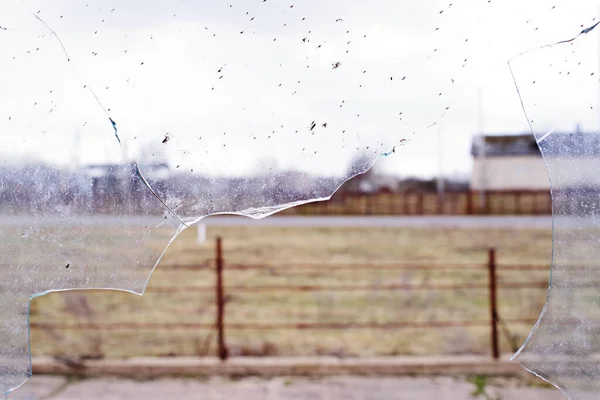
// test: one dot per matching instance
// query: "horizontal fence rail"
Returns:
(272, 326)
(350, 288)
(366, 267)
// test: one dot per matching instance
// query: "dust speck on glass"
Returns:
(122, 128)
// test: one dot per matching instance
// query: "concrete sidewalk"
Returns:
(310, 378)
(342, 388)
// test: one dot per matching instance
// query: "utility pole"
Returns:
(481, 150)
(441, 184)
(77, 150)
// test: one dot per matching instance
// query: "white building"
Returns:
(514, 162)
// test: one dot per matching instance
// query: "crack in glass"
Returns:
(563, 346)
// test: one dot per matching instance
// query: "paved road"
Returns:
(450, 221)
(342, 388)
(433, 221)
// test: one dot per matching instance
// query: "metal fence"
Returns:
(224, 323)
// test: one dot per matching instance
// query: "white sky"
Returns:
(208, 74)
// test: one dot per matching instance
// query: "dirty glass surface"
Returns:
(125, 122)
(564, 347)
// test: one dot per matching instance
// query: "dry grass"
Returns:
(280, 247)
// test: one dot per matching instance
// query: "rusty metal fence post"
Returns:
(222, 348)
(493, 305)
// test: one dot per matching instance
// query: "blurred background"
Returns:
(391, 265)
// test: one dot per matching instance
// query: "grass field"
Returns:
(326, 249)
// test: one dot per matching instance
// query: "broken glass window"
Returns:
(558, 85)
(121, 128)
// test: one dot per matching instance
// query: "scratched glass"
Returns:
(125, 122)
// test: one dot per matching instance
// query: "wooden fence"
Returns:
(427, 203)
